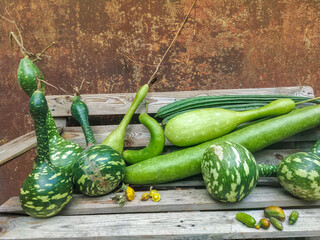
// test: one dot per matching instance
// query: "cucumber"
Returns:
(198, 126)
(187, 162)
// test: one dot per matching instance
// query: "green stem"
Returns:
(267, 170)
(116, 138)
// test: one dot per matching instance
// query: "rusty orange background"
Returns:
(115, 45)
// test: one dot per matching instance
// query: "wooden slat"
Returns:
(107, 104)
(172, 201)
(137, 135)
(18, 146)
(173, 225)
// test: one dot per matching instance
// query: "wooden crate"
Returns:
(186, 210)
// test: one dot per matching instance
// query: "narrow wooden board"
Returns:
(18, 146)
(106, 104)
(172, 225)
(137, 135)
(172, 201)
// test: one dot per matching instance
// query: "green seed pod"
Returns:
(264, 223)
(276, 223)
(293, 217)
(246, 219)
(274, 211)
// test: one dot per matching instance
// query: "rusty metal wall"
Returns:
(115, 45)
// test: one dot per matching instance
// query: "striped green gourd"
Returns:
(99, 169)
(47, 189)
(230, 171)
(63, 153)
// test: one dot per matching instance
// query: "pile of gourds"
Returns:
(213, 148)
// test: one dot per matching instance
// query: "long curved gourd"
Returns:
(101, 167)
(47, 189)
(155, 146)
(202, 125)
(186, 162)
(63, 153)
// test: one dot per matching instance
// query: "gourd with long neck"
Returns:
(47, 189)
(101, 167)
(63, 153)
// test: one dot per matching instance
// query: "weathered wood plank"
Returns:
(172, 225)
(107, 104)
(18, 146)
(171, 201)
(137, 135)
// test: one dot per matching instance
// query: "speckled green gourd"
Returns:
(230, 171)
(99, 169)
(299, 174)
(47, 189)
(63, 153)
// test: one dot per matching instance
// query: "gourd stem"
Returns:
(51, 127)
(267, 170)
(80, 112)
(309, 100)
(116, 138)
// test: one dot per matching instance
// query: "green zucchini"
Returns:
(202, 125)
(47, 189)
(155, 146)
(187, 162)
(63, 152)
(99, 169)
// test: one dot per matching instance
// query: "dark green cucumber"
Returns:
(116, 138)
(213, 101)
(293, 218)
(155, 146)
(99, 169)
(187, 162)
(80, 112)
(202, 125)
(63, 153)
(47, 189)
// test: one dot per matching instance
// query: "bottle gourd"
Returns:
(63, 152)
(47, 189)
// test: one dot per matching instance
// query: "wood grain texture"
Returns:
(106, 104)
(138, 136)
(172, 201)
(18, 146)
(172, 225)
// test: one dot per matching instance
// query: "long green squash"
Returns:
(186, 162)
(202, 125)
